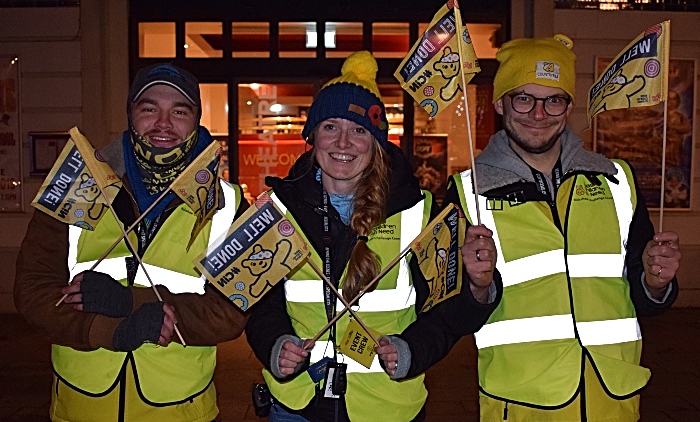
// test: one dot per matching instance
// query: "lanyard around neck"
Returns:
(328, 295)
(541, 180)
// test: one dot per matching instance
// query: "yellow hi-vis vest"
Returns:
(389, 309)
(164, 375)
(565, 295)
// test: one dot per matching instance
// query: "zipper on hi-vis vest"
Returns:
(505, 412)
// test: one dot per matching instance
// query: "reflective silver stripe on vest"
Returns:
(606, 265)
(558, 327)
(552, 262)
(175, 282)
(73, 237)
(403, 296)
(529, 267)
(325, 348)
(622, 196)
(552, 327)
(612, 331)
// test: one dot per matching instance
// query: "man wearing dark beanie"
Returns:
(114, 356)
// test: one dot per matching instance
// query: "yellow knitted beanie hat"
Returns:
(542, 61)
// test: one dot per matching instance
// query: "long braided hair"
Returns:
(369, 210)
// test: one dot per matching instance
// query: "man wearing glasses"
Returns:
(568, 233)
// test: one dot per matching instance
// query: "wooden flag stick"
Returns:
(133, 225)
(663, 169)
(362, 292)
(342, 299)
(469, 127)
(124, 233)
(143, 267)
(138, 258)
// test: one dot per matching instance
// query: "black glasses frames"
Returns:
(554, 105)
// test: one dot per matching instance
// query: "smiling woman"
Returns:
(343, 150)
(340, 195)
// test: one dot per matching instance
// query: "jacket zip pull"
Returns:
(505, 412)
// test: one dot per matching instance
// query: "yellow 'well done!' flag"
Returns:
(197, 186)
(72, 192)
(438, 251)
(260, 248)
(638, 76)
(431, 70)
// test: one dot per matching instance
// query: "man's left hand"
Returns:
(479, 257)
(661, 259)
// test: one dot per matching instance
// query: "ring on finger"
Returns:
(478, 257)
(659, 273)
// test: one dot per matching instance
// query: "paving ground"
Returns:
(671, 350)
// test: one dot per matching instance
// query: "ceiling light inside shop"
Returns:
(312, 39)
(276, 108)
(329, 39)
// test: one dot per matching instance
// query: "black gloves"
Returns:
(142, 326)
(104, 295)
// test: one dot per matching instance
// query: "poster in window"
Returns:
(10, 139)
(430, 163)
(636, 135)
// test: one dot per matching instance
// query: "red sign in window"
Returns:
(258, 158)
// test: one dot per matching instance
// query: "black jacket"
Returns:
(301, 193)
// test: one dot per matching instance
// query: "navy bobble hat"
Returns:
(353, 96)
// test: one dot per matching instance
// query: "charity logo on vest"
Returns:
(385, 232)
(591, 192)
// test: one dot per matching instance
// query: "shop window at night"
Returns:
(390, 40)
(203, 40)
(298, 40)
(215, 117)
(251, 39)
(484, 36)
(271, 118)
(441, 143)
(157, 39)
(215, 108)
(342, 39)
(392, 96)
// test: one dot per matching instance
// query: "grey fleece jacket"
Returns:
(498, 165)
